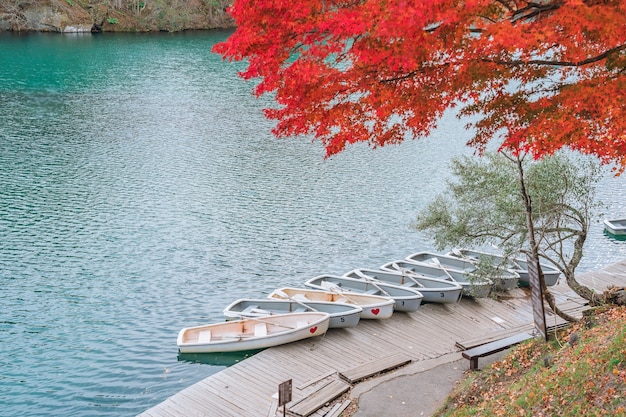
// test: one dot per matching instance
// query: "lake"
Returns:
(141, 192)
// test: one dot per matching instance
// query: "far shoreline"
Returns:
(72, 16)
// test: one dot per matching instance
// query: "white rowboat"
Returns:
(502, 278)
(518, 265)
(253, 333)
(615, 227)
(433, 290)
(406, 299)
(478, 288)
(341, 315)
(374, 306)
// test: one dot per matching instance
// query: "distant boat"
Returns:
(479, 287)
(374, 306)
(252, 334)
(502, 278)
(615, 227)
(433, 290)
(406, 299)
(341, 314)
(518, 265)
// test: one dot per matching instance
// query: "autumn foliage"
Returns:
(581, 372)
(538, 76)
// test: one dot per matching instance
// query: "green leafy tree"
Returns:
(543, 208)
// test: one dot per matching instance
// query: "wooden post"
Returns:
(535, 276)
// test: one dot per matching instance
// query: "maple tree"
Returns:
(538, 75)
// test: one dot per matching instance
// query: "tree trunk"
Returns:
(534, 251)
(583, 291)
(547, 295)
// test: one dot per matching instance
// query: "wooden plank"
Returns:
(318, 399)
(189, 405)
(273, 408)
(316, 379)
(368, 369)
(338, 409)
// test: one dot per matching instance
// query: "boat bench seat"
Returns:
(260, 329)
(233, 336)
(204, 336)
(493, 347)
(249, 309)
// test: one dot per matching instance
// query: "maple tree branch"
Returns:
(505, 4)
(587, 61)
(534, 9)
(399, 78)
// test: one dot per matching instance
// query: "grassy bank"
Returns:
(581, 371)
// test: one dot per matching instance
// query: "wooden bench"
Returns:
(493, 347)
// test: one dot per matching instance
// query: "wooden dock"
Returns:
(250, 387)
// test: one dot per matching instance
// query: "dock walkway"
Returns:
(249, 388)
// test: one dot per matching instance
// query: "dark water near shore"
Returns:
(141, 192)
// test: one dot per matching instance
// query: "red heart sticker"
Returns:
(313, 329)
(375, 311)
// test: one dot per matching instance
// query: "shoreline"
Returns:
(91, 16)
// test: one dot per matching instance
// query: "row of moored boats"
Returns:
(330, 301)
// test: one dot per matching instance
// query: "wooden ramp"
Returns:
(316, 400)
(366, 370)
(249, 387)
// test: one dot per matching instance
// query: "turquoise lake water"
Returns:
(141, 192)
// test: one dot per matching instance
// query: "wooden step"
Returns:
(368, 369)
(313, 402)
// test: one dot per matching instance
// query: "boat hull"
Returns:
(341, 315)
(447, 261)
(374, 306)
(615, 227)
(506, 282)
(432, 290)
(406, 299)
(244, 335)
(471, 288)
(518, 265)
(503, 280)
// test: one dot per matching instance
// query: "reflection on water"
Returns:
(217, 359)
(617, 238)
(141, 193)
